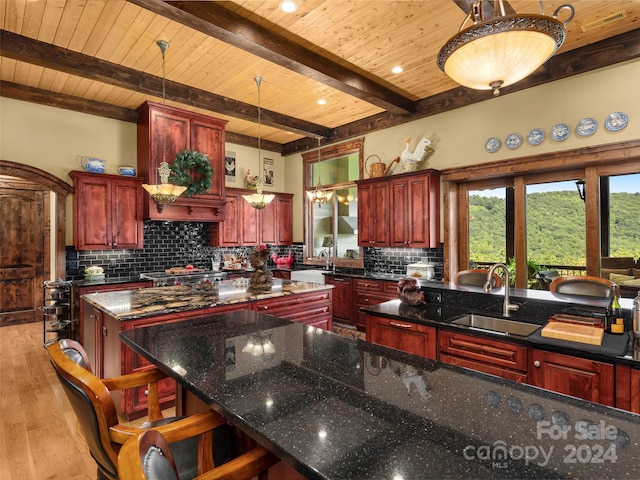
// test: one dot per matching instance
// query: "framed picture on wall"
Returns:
(268, 171)
(230, 167)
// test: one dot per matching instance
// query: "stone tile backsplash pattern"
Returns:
(172, 244)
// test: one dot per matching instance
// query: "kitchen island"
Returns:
(338, 408)
(107, 313)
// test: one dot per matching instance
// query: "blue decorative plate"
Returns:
(493, 145)
(513, 141)
(586, 127)
(535, 137)
(560, 132)
(616, 121)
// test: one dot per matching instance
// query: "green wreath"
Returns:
(192, 170)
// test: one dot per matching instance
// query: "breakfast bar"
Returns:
(334, 407)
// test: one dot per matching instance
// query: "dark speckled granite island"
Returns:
(107, 313)
(338, 408)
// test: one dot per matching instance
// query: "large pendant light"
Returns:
(259, 200)
(319, 195)
(164, 192)
(503, 50)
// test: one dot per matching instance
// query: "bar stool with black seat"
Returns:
(585, 285)
(199, 442)
(148, 456)
(476, 277)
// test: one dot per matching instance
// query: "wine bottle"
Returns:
(617, 321)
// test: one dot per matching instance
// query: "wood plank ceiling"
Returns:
(101, 57)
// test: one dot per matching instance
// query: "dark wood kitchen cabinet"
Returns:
(369, 292)
(406, 336)
(373, 213)
(107, 211)
(184, 130)
(400, 211)
(496, 357)
(342, 298)
(414, 200)
(579, 377)
(313, 308)
(276, 222)
(243, 225)
(78, 306)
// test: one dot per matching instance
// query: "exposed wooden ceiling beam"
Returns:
(68, 102)
(32, 51)
(213, 19)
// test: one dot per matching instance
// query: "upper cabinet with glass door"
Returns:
(331, 204)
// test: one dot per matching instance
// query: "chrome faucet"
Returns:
(507, 307)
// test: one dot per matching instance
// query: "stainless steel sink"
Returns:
(498, 326)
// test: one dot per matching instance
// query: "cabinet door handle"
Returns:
(536, 364)
(104, 331)
(401, 325)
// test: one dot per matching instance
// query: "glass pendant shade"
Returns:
(499, 52)
(259, 200)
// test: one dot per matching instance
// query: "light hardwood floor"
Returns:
(39, 435)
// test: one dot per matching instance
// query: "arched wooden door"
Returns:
(27, 242)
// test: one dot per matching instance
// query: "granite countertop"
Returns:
(619, 348)
(339, 408)
(146, 302)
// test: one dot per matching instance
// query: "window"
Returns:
(332, 227)
(487, 226)
(622, 235)
(555, 224)
(545, 219)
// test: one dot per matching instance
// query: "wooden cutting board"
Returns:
(573, 332)
(182, 270)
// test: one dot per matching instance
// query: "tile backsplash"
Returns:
(171, 244)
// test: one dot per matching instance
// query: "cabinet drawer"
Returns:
(283, 303)
(481, 350)
(401, 335)
(366, 299)
(365, 285)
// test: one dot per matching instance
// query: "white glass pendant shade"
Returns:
(502, 51)
(259, 200)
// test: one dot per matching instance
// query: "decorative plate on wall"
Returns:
(560, 132)
(616, 121)
(586, 127)
(493, 145)
(535, 136)
(513, 141)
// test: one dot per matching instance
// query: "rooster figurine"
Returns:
(411, 159)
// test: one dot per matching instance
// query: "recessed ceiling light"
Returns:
(288, 6)
(397, 69)
(322, 101)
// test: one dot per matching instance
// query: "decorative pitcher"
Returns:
(93, 165)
